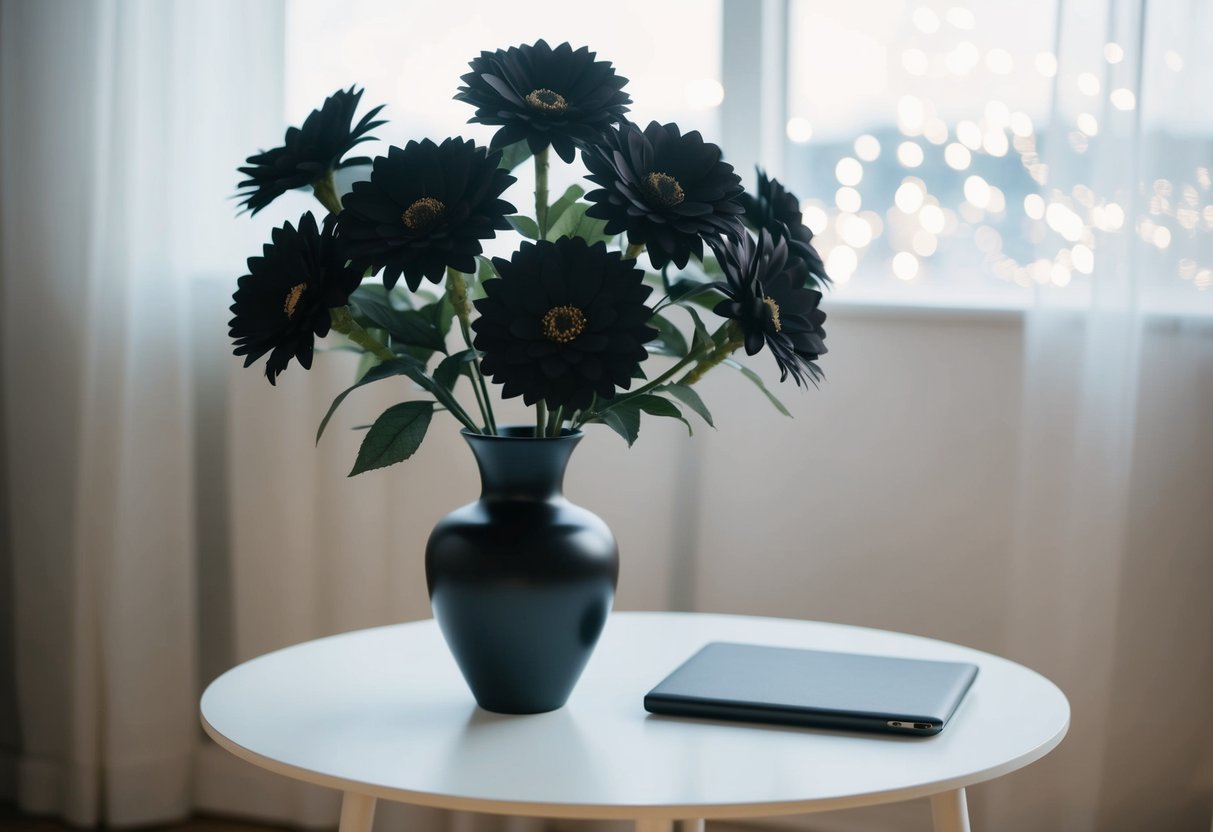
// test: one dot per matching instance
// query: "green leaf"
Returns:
(379, 372)
(514, 155)
(692, 291)
(560, 206)
(524, 225)
(670, 341)
(754, 377)
(395, 436)
(625, 421)
(484, 271)
(574, 223)
(439, 314)
(447, 372)
(701, 338)
(657, 406)
(690, 398)
(411, 327)
(398, 298)
(624, 416)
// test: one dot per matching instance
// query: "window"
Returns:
(947, 153)
(410, 56)
(943, 152)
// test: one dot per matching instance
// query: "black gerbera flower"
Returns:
(547, 96)
(309, 152)
(566, 321)
(668, 191)
(777, 210)
(766, 295)
(284, 300)
(425, 207)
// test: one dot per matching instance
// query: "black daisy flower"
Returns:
(565, 321)
(666, 190)
(309, 152)
(766, 294)
(777, 210)
(562, 97)
(283, 303)
(424, 208)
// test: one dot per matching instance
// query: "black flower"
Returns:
(425, 207)
(765, 293)
(284, 300)
(309, 152)
(565, 321)
(666, 190)
(777, 210)
(547, 96)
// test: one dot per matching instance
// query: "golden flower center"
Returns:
(422, 213)
(545, 99)
(292, 299)
(664, 188)
(563, 323)
(774, 313)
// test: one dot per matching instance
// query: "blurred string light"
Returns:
(925, 20)
(799, 130)
(909, 154)
(867, 147)
(917, 223)
(848, 171)
(1123, 99)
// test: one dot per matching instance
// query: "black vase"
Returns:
(521, 580)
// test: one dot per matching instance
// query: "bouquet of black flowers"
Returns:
(566, 322)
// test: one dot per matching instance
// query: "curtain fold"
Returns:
(1111, 568)
(118, 121)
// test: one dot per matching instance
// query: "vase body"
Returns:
(521, 580)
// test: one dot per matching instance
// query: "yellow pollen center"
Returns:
(422, 213)
(563, 324)
(292, 299)
(545, 99)
(664, 188)
(774, 313)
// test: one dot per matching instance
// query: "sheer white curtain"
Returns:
(1111, 592)
(120, 124)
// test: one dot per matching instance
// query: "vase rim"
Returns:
(523, 433)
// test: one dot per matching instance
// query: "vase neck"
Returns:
(517, 466)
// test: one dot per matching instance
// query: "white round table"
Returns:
(384, 714)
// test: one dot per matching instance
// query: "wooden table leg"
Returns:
(950, 810)
(654, 825)
(357, 812)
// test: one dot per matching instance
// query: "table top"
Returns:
(385, 712)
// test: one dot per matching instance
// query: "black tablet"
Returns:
(814, 688)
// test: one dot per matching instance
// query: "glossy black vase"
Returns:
(521, 580)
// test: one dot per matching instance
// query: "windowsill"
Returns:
(1160, 308)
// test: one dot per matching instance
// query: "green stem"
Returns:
(325, 190)
(634, 251)
(713, 359)
(555, 421)
(541, 192)
(342, 321)
(457, 290)
(541, 418)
